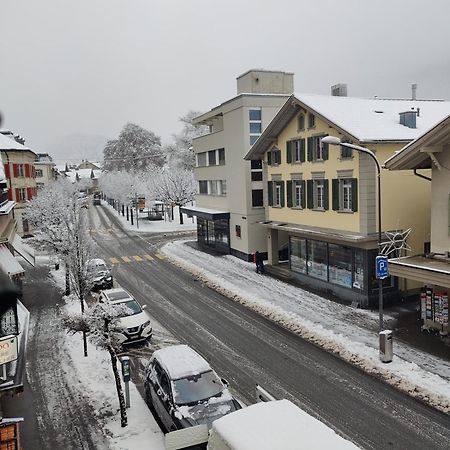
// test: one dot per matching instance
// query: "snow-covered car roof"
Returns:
(117, 295)
(181, 361)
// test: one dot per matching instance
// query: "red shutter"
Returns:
(17, 194)
(9, 194)
(7, 170)
(27, 170)
(16, 170)
(29, 193)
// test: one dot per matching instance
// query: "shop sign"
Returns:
(8, 349)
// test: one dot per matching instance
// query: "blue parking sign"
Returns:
(382, 269)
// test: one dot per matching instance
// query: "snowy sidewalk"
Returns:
(348, 332)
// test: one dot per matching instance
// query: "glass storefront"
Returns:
(214, 233)
(337, 264)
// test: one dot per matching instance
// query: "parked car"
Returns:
(100, 274)
(96, 201)
(135, 326)
(183, 390)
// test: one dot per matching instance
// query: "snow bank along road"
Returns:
(246, 349)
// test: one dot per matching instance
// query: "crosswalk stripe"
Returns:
(114, 260)
(126, 259)
(138, 258)
(148, 257)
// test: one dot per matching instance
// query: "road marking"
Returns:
(148, 257)
(126, 259)
(159, 256)
(114, 260)
(138, 258)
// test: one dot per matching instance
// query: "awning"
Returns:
(205, 213)
(422, 269)
(8, 263)
(24, 250)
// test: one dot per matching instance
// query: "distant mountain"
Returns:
(77, 147)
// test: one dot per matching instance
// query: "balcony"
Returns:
(209, 142)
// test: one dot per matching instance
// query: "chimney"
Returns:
(414, 91)
(339, 90)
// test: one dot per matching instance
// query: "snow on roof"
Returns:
(277, 424)
(8, 263)
(9, 143)
(376, 119)
(181, 361)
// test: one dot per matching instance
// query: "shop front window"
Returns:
(221, 232)
(298, 254)
(358, 270)
(201, 230)
(340, 265)
(317, 259)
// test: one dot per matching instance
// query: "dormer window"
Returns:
(311, 120)
(301, 122)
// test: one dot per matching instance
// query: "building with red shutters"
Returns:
(20, 172)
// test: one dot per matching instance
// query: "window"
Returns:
(255, 124)
(317, 259)
(296, 194)
(298, 254)
(275, 190)
(317, 150)
(221, 156)
(358, 269)
(274, 157)
(295, 151)
(222, 187)
(201, 159)
(21, 194)
(21, 169)
(301, 122)
(212, 187)
(39, 173)
(346, 152)
(257, 176)
(256, 164)
(345, 194)
(317, 192)
(238, 231)
(212, 158)
(340, 265)
(311, 120)
(257, 198)
(203, 187)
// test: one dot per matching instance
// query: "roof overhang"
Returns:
(8, 263)
(204, 213)
(416, 155)
(423, 269)
(7, 207)
(324, 234)
(24, 250)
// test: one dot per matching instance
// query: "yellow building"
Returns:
(321, 201)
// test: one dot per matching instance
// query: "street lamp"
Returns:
(332, 140)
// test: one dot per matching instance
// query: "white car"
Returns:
(134, 327)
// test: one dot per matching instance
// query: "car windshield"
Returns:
(132, 305)
(118, 295)
(196, 388)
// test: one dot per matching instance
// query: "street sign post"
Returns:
(382, 269)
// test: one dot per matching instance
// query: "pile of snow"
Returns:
(348, 333)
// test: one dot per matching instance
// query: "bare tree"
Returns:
(175, 187)
(99, 322)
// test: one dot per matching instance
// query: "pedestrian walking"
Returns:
(259, 261)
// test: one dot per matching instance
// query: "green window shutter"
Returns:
(309, 193)
(270, 192)
(302, 204)
(324, 149)
(289, 193)
(335, 194)
(282, 193)
(269, 158)
(310, 148)
(289, 152)
(354, 194)
(302, 150)
(325, 194)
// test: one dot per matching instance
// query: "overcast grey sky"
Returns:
(90, 66)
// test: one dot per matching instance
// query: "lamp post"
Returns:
(332, 140)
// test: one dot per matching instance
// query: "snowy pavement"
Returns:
(348, 332)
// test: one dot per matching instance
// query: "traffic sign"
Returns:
(382, 269)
